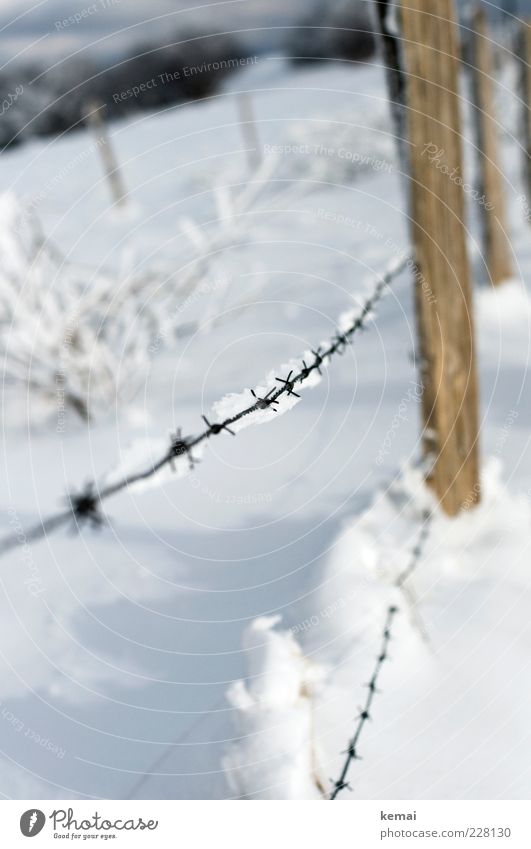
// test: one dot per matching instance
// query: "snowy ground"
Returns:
(118, 647)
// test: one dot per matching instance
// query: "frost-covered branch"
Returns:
(275, 746)
(66, 328)
(64, 333)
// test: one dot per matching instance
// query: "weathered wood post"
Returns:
(424, 73)
(524, 52)
(108, 158)
(496, 246)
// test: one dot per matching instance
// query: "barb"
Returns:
(365, 714)
(87, 503)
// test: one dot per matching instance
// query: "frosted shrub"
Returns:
(77, 340)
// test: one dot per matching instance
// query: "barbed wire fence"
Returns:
(84, 507)
(364, 716)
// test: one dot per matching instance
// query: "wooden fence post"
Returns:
(496, 247)
(524, 51)
(110, 163)
(249, 130)
(426, 67)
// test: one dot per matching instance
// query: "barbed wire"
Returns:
(416, 554)
(169, 749)
(418, 549)
(85, 506)
(365, 714)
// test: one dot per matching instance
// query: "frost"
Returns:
(275, 754)
(231, 404)
(349, 317)
(144, 453)
(64, 333)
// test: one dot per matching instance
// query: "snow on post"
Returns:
(274, 755)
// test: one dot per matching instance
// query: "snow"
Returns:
(120, 645)
(506, 304)
(235, 402)
(274, 718)
(450, 687)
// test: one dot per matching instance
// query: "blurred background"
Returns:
(216, 226)
(67, 53)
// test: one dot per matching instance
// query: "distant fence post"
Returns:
(425, 69)
(110, 163)
(249, 130)
(524, 51)
(496, 247)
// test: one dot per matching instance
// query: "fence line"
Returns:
(418, 549)
(365, 715)
(352, 754)
(84, 506)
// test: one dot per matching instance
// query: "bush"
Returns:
(344, 33)
(58, 100)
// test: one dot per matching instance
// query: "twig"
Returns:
(402, 580)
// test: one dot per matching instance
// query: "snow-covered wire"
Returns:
(85, 505)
